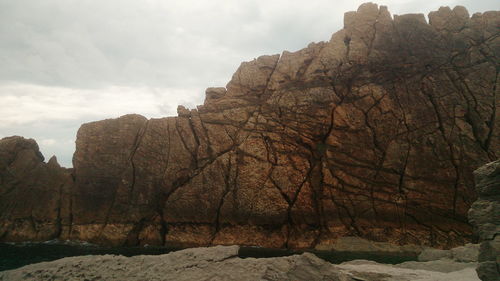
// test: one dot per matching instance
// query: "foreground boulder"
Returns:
(485, 216)
(217, 263)
(223, 263)
(373, 134)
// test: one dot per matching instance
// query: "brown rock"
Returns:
(373, 134)
(34, 196)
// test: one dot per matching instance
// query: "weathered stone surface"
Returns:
(488, 271)
(434, 254)
(441, 270)
(467, 253)
(440, 265)
(34, 196)
(359, 245)
(485, 217)
(217, 263)
(373, 134)
(222, 263)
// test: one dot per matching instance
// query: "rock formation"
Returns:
(467, 253)
(485, 216)
(373, 134)
(222, 263)
(34, 195)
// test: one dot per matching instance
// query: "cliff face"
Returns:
(34, 196)
(373, 134)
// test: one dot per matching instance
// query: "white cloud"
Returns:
(22, 103)
(47, 142)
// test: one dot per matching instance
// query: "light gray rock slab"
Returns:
(431, 254)
(467, 253)
(442, 265)
(222, 263)
(215, 263)
(367, 270)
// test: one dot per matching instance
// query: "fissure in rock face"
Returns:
(374, 133)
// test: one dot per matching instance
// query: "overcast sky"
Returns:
(66, 62)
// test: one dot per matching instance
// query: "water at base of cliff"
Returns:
(15, 255)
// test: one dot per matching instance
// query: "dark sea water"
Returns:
(20, 254)
(17, 255)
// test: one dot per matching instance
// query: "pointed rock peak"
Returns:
(53, 162)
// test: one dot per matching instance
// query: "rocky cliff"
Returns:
(374, 133)
(34, 195)
(485, 216)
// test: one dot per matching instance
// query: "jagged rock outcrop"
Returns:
(485, 216)
(34, 195)
(373, 134)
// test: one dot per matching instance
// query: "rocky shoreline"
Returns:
(374, 134)
(223, 263)
(15, 255)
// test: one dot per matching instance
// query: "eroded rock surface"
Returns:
(359, 245)
(485, 216)
(223, 263)
(217, 263)
(443, 270)
(34, 196)
(467, 253)
(374, 134)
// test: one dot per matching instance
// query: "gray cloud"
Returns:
(64, 62)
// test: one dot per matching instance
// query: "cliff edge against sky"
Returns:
(374, 133)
